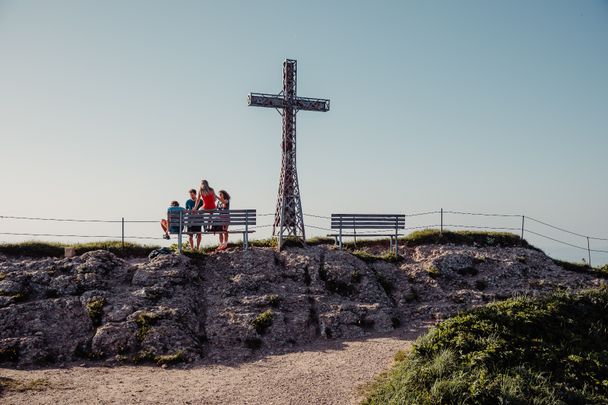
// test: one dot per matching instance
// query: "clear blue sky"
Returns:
(113, 108)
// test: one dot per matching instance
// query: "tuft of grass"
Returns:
(263, 321)
(2, 276)
(10, 384)
(320, 240)
(543, 351)
(51, 249)
(269, 242)
(400, 356)
(32, 249)
(368, 257)
(145, 321)
(95, 310)
(583, 268)
(167, 359)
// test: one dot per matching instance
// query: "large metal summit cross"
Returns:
(288, 215)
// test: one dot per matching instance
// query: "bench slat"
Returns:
(368, 215)
(367, 222)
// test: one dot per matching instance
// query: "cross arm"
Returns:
(266, 100)
(312, 104)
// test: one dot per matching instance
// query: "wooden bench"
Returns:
(347, 225)
(207, 220)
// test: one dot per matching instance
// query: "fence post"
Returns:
(441, 223)
(123, 233)
(589, 251)
(523, 218)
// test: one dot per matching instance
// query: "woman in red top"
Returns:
(207, 195)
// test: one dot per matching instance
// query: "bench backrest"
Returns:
(199, 217)
(367, 221)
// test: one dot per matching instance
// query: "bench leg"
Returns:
(396, 245)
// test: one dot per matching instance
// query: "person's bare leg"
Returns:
(191, 240)
(199, 237)
(165, 226)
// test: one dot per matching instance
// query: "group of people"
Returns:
(207, 200)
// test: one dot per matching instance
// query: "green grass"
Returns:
(519, 351)
(583, 268)
(51, 249)
(434, 236)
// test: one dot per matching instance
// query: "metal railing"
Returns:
(521, 226)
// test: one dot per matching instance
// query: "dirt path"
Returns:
(325, 373)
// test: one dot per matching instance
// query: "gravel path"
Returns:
(329, 372)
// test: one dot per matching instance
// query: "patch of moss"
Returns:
(95, 310)
(263, 321)
(547, 350)
(145, 321)
(2, 276)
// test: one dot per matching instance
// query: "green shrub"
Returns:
(548, 350)
(263, 321)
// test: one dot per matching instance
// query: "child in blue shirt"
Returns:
(164, 223)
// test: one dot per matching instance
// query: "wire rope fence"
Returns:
(520, 224)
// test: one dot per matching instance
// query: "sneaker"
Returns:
(165, 236)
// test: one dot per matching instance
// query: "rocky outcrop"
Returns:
(230, 305)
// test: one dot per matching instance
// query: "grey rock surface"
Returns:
(231, 305)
